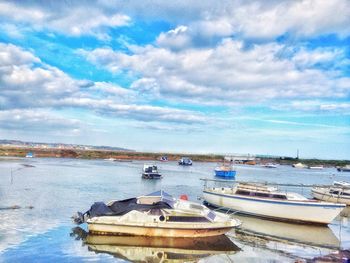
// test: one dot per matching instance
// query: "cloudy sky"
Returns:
(265, 77)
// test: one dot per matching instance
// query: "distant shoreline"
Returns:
(146, 156)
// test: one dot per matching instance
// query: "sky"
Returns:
(257, 77)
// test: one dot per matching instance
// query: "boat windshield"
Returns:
(259, 194)
(161, 196)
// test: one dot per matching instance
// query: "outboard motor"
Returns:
(79, 218)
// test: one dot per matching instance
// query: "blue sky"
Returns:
(264, 77)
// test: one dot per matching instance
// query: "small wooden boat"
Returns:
(150, 172)
(157, 214)
(225, 170)
(267, 201)
(338, 193)
(110, 159)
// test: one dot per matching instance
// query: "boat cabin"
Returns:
(147, 168)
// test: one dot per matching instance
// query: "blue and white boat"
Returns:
(225, 170)
(29, 155)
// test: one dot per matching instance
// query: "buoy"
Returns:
(184, 197)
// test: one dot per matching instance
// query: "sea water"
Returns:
(38, 197)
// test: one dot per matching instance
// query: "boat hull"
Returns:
(151, 176)
(343, 169)
(295, 211)
(113, 229)
(221, 173)
(324, 195)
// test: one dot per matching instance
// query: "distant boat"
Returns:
(250, 162)
(316, 167)
(164, 158)
(269, 165)
(123, 160)
(266, 201)
(225, 170)
(109, 159)
(299, 165)
(150, 172)
(341, 183)
(345, 168)
(339, 192)
(185, 161)
(29, 155)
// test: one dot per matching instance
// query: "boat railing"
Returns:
(265, 183)
(303, 189)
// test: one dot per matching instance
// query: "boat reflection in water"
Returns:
(156, 249)
(309, 235)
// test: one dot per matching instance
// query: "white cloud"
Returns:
(67, 18)
(204, 20)
(36, 120)
(138, 112)
(175, 39)
(11, 55)
(26, 83)
(229, 73)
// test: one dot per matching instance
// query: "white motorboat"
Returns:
(299, 165)
(157, 249)
(342, 184)
(316, 167)
(267, 201)
(150, 171)
(156, 214)
(338, 193)
(269, 165)
(110, 159)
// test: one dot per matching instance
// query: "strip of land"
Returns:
(130, 155)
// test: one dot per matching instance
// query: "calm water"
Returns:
(57, 188)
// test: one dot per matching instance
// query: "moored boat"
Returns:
(30, 155)
(299, 165)
(156, 214)
(267, 201)
(150, 172)
(225, 170)
(269, 165)
(316, 167)
(339, 192)
(164, 158)
(185, 161)
(345, 168)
